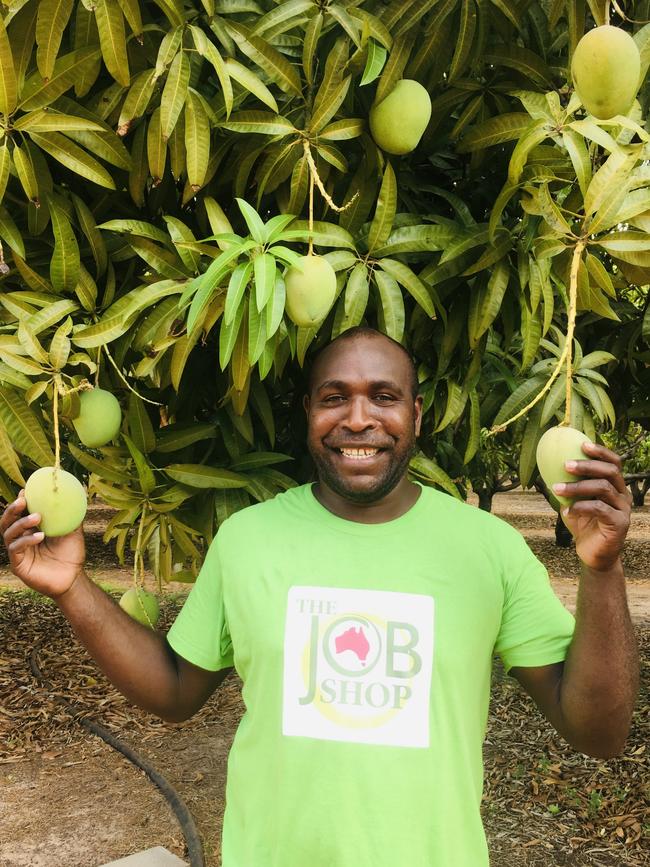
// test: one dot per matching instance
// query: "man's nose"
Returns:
(359, 416)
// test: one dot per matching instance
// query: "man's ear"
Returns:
(418, 414)
(306, 403)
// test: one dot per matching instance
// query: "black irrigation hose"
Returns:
(185, 820)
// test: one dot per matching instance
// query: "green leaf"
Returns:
(139, 425)
(382, 223)
(161, 260)
(65, 261)
(323, 234)
(533, 135)
(112, 38)
(625, 242)
(145, 473)
(73, 158)
(464, 41)
(392, 305)
(60, 345)
(47, 120)
(522, 60)
(8, 84)
(411, 282)
(342, 130)
(277, 67)
(135, 227)
(416, 239)
(197, 141)
(261, 122)
(239, 280)
(37, 92)
(182, 235)
(375, 60)
(520, 397)
(23, 428)
(456, 400)
(208, 49)
(495, 130)
(174, 93)
(256, 333)
(608, 188)
(264, 278)
(200, 476)
(248, 79)
(428, 471)
(156, 148)
(579, 155)
(356, 296)
(486, 304)
(228, 336)
(310, 44)
(51, 21)
(327, 102)
(528, 452)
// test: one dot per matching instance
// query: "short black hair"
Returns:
(356, 333)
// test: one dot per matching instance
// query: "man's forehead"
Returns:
(375, 356)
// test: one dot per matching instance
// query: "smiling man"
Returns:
(362, 614)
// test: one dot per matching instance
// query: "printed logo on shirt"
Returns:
(357, 666)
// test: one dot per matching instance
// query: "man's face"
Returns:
(362, 418)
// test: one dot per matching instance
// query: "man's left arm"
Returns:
(589, 698)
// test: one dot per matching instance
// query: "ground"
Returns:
(69, 800)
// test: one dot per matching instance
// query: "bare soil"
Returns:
(69, 800)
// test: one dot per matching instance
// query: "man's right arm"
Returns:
(137, 660)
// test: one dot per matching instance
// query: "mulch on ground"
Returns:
(544, 804)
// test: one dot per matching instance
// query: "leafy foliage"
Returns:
(156, 160)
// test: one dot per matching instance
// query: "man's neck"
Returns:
(395, 504)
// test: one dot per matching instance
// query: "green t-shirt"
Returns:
(365, 653)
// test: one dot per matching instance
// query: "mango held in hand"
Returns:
(99, 419)
(558, 445)
(398, 121)
(606, 67)
(311, 289)
(141, 606)
(58, 497)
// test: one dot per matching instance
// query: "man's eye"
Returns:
(333, 398)
(384, 398)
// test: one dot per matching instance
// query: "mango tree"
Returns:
(164, 164)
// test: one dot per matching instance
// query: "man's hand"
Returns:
(599, 520)
(48, 565)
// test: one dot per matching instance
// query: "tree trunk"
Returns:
(639, 489)
(563, 537)
(485, 496)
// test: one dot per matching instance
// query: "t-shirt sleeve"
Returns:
(536, 629)
(200, 632)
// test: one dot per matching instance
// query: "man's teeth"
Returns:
(359, 453)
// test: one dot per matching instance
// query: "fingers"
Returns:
(606, 514)
(20, 527)
(594, 489)
(29, 540)
(601, 464)
(12, 511)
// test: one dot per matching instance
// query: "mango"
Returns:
(606, 67)
(141, 606)
(556, 446)
(59, 498)
(311, 290)
(99, 419)
(399, 120)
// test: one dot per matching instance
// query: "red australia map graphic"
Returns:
(354, 640)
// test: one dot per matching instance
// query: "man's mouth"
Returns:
(358, 453)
